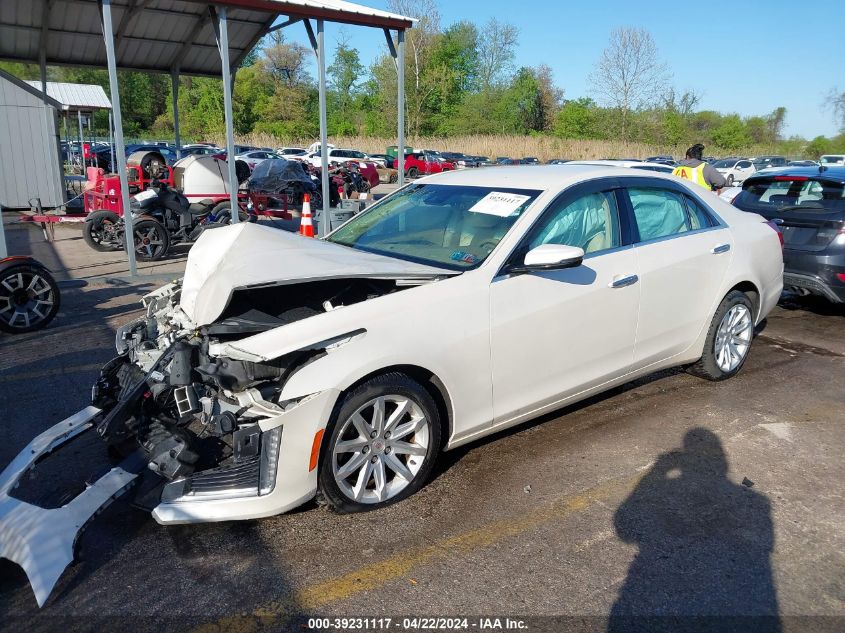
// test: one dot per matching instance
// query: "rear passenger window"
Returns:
(699, 217)
(658, 213)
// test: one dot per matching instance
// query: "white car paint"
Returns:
(735, 170)
(253, 157)
(631, 164)
(505, 347)
(341, 155)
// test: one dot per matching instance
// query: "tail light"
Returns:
(777, 230)
(841, 277)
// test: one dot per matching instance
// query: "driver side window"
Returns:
(590, 222)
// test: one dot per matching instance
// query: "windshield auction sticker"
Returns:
(499, 203)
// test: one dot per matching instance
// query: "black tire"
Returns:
(413, 172)
(708, 365)
(151, 240)
(394, 177)
(223, 212)
(29, 298)
(99, 237)
(329, 492)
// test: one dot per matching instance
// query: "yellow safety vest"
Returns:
(693, 174)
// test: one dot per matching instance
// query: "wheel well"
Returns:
(429, 381)
(751, 290)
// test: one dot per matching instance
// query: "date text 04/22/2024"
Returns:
(416, 624)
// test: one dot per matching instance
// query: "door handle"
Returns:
(621, 281)
(721, 248)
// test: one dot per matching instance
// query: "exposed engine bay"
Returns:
(191, 411)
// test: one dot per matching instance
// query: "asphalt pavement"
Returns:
(669, 497)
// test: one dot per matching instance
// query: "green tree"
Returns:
(731, 134)
(576, 119)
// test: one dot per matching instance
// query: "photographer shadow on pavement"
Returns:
(705, 544)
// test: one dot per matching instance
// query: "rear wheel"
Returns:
(151, 240)
(381, 445)
(101, 232)
(223, 212)
(29, 298)
(413, 172)
(728, 339)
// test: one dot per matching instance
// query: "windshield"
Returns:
(451, 226)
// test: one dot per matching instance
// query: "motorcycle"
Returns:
(162, 216)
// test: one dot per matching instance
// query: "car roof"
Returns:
(543, 177)
(828, 173)
(621, 163)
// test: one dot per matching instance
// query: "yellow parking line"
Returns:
(47, 373)
(378, 574)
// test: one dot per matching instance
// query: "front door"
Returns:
(557, 333)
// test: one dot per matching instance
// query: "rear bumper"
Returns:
(815, 272)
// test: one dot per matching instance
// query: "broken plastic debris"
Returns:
(747, 482)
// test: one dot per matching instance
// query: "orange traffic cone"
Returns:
(306, 226)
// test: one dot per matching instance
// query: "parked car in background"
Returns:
(631, 164)
(557, 161)
(459, 160)
(387, 160)
(290, 152)
(663, 159)
(200, 150)
(802, 163)
(529, 160)
(735, 170)
(424, 164)
(253, 157)
(832, 159)
(809, 205)
(482, 161)
(764, 162)
(504, 160)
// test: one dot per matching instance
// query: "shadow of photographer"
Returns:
(704, 548)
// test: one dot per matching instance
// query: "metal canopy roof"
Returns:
(75, 97)
(160, 35)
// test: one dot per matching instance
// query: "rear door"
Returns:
(682, 253)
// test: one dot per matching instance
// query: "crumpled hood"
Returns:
(250, 255)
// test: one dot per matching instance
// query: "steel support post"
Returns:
(223, 44)
(174, 88)
(400, 111)
(324, 226)
(120, 148)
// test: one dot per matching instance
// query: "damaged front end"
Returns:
(204, 433)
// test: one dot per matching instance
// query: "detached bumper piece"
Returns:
(42, 540)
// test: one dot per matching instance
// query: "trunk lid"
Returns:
(809, 210)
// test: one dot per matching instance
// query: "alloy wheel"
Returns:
(733, 338)
(380, 449)
(26, 299)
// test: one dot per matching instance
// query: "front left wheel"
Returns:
(380, 446)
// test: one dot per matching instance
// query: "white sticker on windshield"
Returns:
(499, 203)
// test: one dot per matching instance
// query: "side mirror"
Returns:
(549, 257)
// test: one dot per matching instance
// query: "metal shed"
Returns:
(29, 147)
(182, 37)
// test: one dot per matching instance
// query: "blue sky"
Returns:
(748, 57)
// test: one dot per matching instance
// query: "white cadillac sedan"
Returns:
(283, 368)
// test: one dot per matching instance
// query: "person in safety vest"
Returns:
(696, 170)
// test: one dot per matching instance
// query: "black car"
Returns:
(529, 160)
(809, 205)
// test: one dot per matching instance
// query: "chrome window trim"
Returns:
(674, 236)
